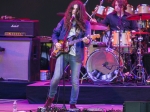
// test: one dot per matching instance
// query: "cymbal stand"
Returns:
(141, 69)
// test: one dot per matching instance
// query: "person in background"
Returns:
(74, 25)
(117, 20)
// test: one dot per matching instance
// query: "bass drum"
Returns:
(102, 64)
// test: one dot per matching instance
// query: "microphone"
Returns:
(101, 2)
(72, 18)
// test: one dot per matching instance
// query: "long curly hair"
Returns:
(121, 2)
(80, 16)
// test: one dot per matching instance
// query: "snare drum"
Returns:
(143, 8)
(130, 9)
(125, 39)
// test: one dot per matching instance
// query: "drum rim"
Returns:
(142, 5)
(113, 52)
(115, 55)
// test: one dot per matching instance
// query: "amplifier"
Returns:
(19, 28)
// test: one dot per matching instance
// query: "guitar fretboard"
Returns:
(74, 41)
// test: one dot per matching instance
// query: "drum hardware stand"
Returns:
(85, 76)
(141, 70)
(120, 68)
(98, 6)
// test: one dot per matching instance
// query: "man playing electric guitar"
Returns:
(69, 43)
(74, 23)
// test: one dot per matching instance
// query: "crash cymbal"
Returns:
(140, 16)
(140, 33)
(98, 26)
(61, 14)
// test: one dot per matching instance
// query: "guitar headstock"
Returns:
(95, 36)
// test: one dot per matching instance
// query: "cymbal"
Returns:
(140, 16)
(140, 33)
(98, 26)
(61, 14)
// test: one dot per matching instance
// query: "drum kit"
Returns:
(102, 62)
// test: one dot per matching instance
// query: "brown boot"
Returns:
(48, 103)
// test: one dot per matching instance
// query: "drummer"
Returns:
(113, 19)
(117, 20)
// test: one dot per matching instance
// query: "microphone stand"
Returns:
(86, 2)
(64, 45)
(120, 21)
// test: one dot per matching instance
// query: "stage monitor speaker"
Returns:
(21, 59)
(146, 62)
(135, 106)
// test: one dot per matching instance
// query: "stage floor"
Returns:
(31, 95)
(6, 105)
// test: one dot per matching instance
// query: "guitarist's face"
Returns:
(75, 9)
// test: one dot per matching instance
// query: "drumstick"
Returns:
(88, 15)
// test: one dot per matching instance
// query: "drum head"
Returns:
(102, 62)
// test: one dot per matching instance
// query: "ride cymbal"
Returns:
(140, 33)
(140, 16)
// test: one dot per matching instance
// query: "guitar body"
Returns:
(57, 52)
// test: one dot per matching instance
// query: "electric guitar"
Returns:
(57, 52)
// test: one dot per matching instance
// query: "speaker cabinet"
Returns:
(21, 59)
(135, 106)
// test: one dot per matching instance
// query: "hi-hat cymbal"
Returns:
(98, 26)
(140, 16)
(61, 14)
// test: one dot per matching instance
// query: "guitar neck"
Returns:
(74, 41)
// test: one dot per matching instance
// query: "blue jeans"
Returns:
(75, 71)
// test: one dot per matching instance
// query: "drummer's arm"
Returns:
(134, 26)
(93, 20)
(106, 22)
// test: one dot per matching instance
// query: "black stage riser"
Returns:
(91, 94)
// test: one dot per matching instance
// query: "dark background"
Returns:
(46, 10)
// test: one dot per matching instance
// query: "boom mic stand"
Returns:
(120, 21)
(64, 45)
